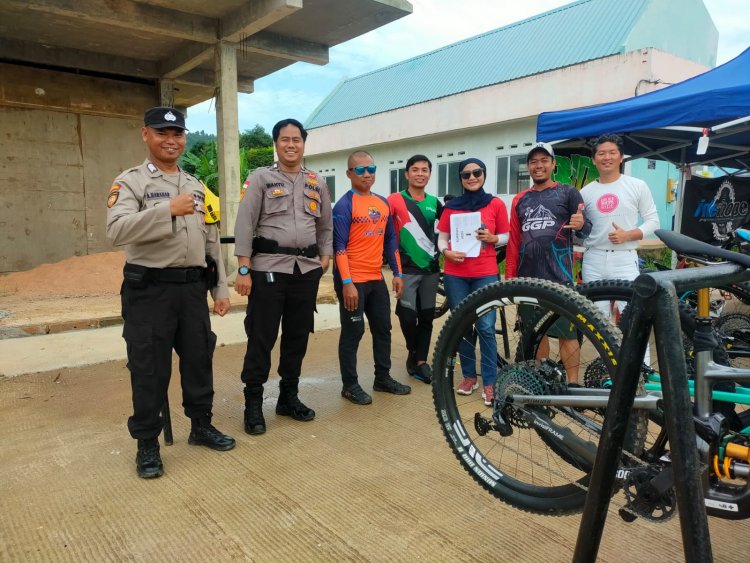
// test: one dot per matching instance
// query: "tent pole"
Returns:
(680, 201)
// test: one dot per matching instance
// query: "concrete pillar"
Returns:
(166, 93)
(228, 149)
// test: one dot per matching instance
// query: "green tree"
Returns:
(203, 165)
(198, 138)
(255, 138)
(258, 157)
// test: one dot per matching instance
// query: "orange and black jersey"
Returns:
(362, 232)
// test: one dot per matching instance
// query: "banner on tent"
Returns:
(574, 169)
(714, 207)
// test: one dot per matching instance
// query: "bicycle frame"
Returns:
(655, 305)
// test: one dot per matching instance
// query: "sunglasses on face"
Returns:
(476, 173)
(359, 170)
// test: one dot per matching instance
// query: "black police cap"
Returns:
(163, 117)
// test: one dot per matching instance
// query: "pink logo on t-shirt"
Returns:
(607, 203)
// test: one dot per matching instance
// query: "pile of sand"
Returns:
(79, 276)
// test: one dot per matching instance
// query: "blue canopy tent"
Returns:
(668, 123)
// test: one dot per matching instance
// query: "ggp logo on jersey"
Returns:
(537, 219)
(607, 203)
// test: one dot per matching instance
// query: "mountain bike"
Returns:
(540, 445)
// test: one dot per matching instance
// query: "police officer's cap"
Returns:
(162, 117)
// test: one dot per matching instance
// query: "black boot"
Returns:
(203, 433)
(254, 421)
(148, 463)
(289, 403)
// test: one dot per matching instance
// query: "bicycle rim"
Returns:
(531, 469)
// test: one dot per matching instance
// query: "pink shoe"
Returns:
(488, 394)
(467, 386)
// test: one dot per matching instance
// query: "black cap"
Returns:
(163, 117)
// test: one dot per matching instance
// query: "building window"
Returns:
(398, 182)
(512, 174)
(331, 182)
(448, 180)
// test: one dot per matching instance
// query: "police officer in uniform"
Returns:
(283, 244)
(157, 212)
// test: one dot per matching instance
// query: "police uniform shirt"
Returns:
(292, 209)
(139, 218)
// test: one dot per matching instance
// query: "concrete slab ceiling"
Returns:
(150, 40)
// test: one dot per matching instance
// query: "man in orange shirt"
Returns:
(362, 229)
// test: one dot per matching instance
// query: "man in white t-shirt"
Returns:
(613, 203)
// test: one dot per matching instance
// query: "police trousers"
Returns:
(286, 300)
(159, 317)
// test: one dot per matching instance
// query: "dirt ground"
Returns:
(79, 292)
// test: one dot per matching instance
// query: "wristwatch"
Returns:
(243, 270)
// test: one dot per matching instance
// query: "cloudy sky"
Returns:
(298, 89)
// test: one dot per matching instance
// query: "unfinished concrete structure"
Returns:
(75, 77)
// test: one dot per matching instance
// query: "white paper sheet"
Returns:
(464, 228)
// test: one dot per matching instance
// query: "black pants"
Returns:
(288, 301)
(375, 303)
(159, 317)
(416, 310)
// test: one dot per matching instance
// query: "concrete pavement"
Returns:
(75, 348)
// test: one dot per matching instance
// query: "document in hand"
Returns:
(464, 228)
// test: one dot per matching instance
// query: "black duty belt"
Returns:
(177, 275)
(270, 246)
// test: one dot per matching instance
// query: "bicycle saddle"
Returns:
(691, 247)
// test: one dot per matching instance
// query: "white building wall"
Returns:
(486, 123)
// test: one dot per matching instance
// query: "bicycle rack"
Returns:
(655, 304)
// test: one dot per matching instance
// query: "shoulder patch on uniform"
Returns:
(113, 195)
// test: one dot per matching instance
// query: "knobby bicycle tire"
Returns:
(526, 469)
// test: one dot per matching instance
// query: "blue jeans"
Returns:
(456, 288)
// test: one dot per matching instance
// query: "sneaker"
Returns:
(423, 373)
(488, 394)
(207, 435)
(148, 463)
(411, 363)
(467, 386)
(390, 385)
(356, 395)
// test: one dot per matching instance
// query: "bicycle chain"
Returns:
(637, 462)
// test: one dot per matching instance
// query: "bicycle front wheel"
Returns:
(544, 465)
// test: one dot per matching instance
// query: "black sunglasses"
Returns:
(359, 170)
(476, 173)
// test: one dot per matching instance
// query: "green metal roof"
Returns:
(569, 35)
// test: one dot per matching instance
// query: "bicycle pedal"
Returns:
(627, 516)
